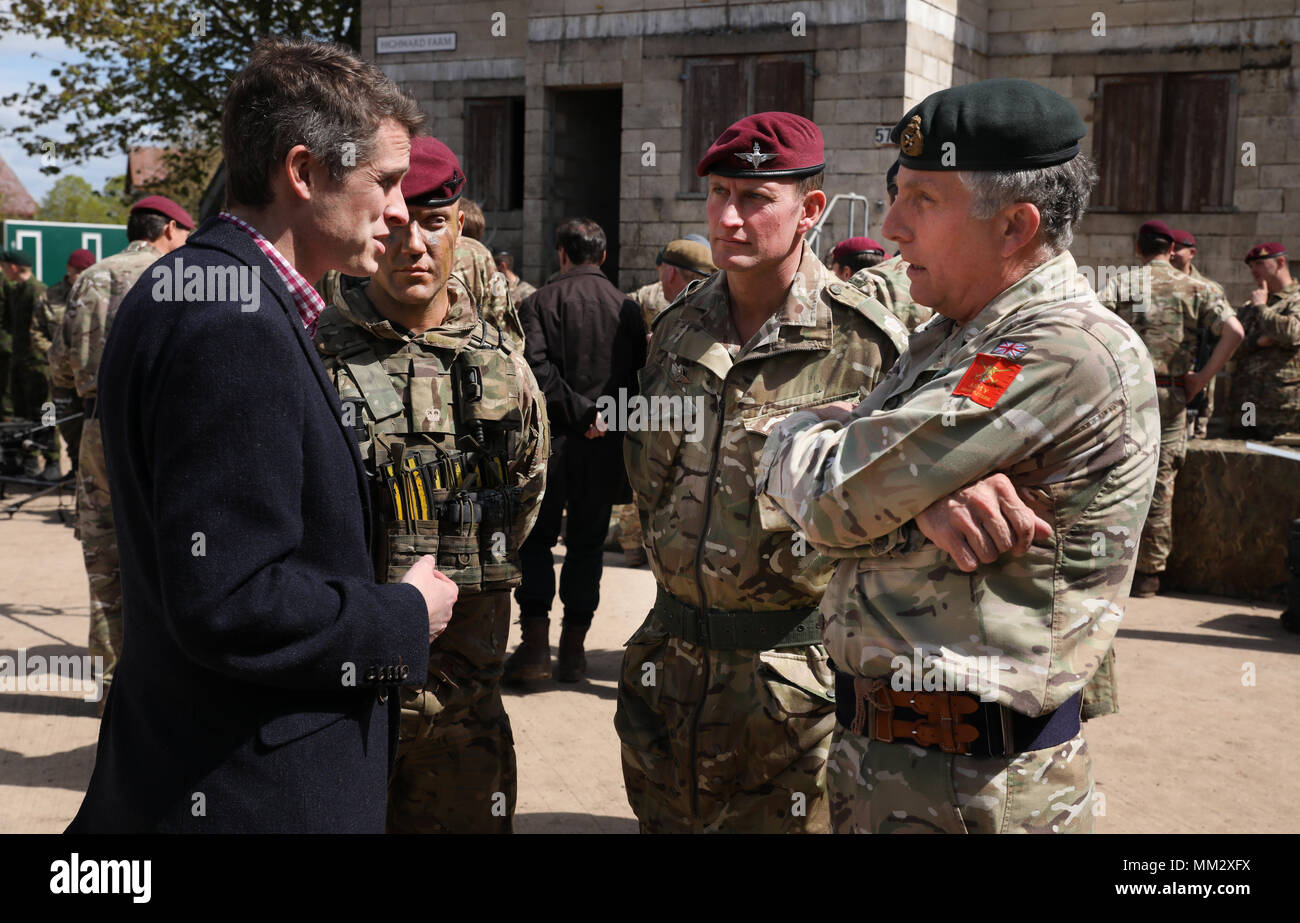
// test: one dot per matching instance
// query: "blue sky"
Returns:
(18, 68)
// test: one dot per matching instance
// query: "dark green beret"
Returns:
(1003, 124)
(19, 258)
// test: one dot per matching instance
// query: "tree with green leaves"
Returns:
(73, 199)
(153, 72)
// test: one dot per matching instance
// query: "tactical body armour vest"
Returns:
(438, 423)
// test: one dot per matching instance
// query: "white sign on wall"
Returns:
(432, 41)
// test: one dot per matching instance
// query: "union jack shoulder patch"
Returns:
(1010, 349)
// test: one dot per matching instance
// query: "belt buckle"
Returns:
(943, 721)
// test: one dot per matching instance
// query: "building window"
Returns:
(718, 91)
(1166, 142)
(494, 152)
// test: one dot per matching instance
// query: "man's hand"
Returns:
(1259, 296)
(979, 523)
(1193, 384)
(597, 429)
(439, 592)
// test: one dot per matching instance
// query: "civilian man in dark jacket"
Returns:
(585, 340)
(257, 690)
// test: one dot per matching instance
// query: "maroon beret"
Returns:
(81, 259)
(1184, 238)
(1265, 251)
(1156, 229)
(846, 248)
(767, 144)
(435, 177)
(167, 208)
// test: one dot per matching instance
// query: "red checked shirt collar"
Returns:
(305, 297)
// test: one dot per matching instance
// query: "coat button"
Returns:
(406, 671)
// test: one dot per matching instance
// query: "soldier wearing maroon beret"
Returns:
(725, 705)
(442, 401)
(855, 254)
(1266, 382)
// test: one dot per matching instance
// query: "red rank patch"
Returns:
(987, 379)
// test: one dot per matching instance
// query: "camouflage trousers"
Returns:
(878, 787)
(1158, 533)
(629, 526)
(455, 769)
(99, 548)
(724, 741)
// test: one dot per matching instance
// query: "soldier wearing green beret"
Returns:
(28, 388)
(961, 655)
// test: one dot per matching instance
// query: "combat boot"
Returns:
(1145, 585)
(531, 660)
(571, 666)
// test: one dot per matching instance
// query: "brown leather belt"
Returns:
(954, 722)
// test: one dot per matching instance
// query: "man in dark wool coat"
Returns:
(256, 691)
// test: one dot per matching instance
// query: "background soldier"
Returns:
(156, 225)
(585, 342)
(452, 425)
(1168, 322)
(29, 388)
(854, 254)
(1266, 385)
(1181, 259)
(1025, 382)
(519, 289)
(725, 705)
(475, 278)
(475, 221)
(47, 341)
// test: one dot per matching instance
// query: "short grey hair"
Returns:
(1060, 193)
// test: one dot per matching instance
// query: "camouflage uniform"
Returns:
(29, 385)
(519, 290)
(732, 736)
(887, 282)
(455, 770)
(1268, 377)
(47, 341)
(483, 290)
(1076, 428)
(1178, 307)
(1221, 297)
(651, 300)
(92, 304)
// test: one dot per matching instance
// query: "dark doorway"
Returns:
(584, 173)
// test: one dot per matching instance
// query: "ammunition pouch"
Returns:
(468, 532)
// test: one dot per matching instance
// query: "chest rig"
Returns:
(438, 422)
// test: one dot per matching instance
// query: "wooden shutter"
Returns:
(1197, 153)
(779, 85)
(713, 97)
(1127, 146)
(493, 169)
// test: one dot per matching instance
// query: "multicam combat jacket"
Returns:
(1044, 385)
